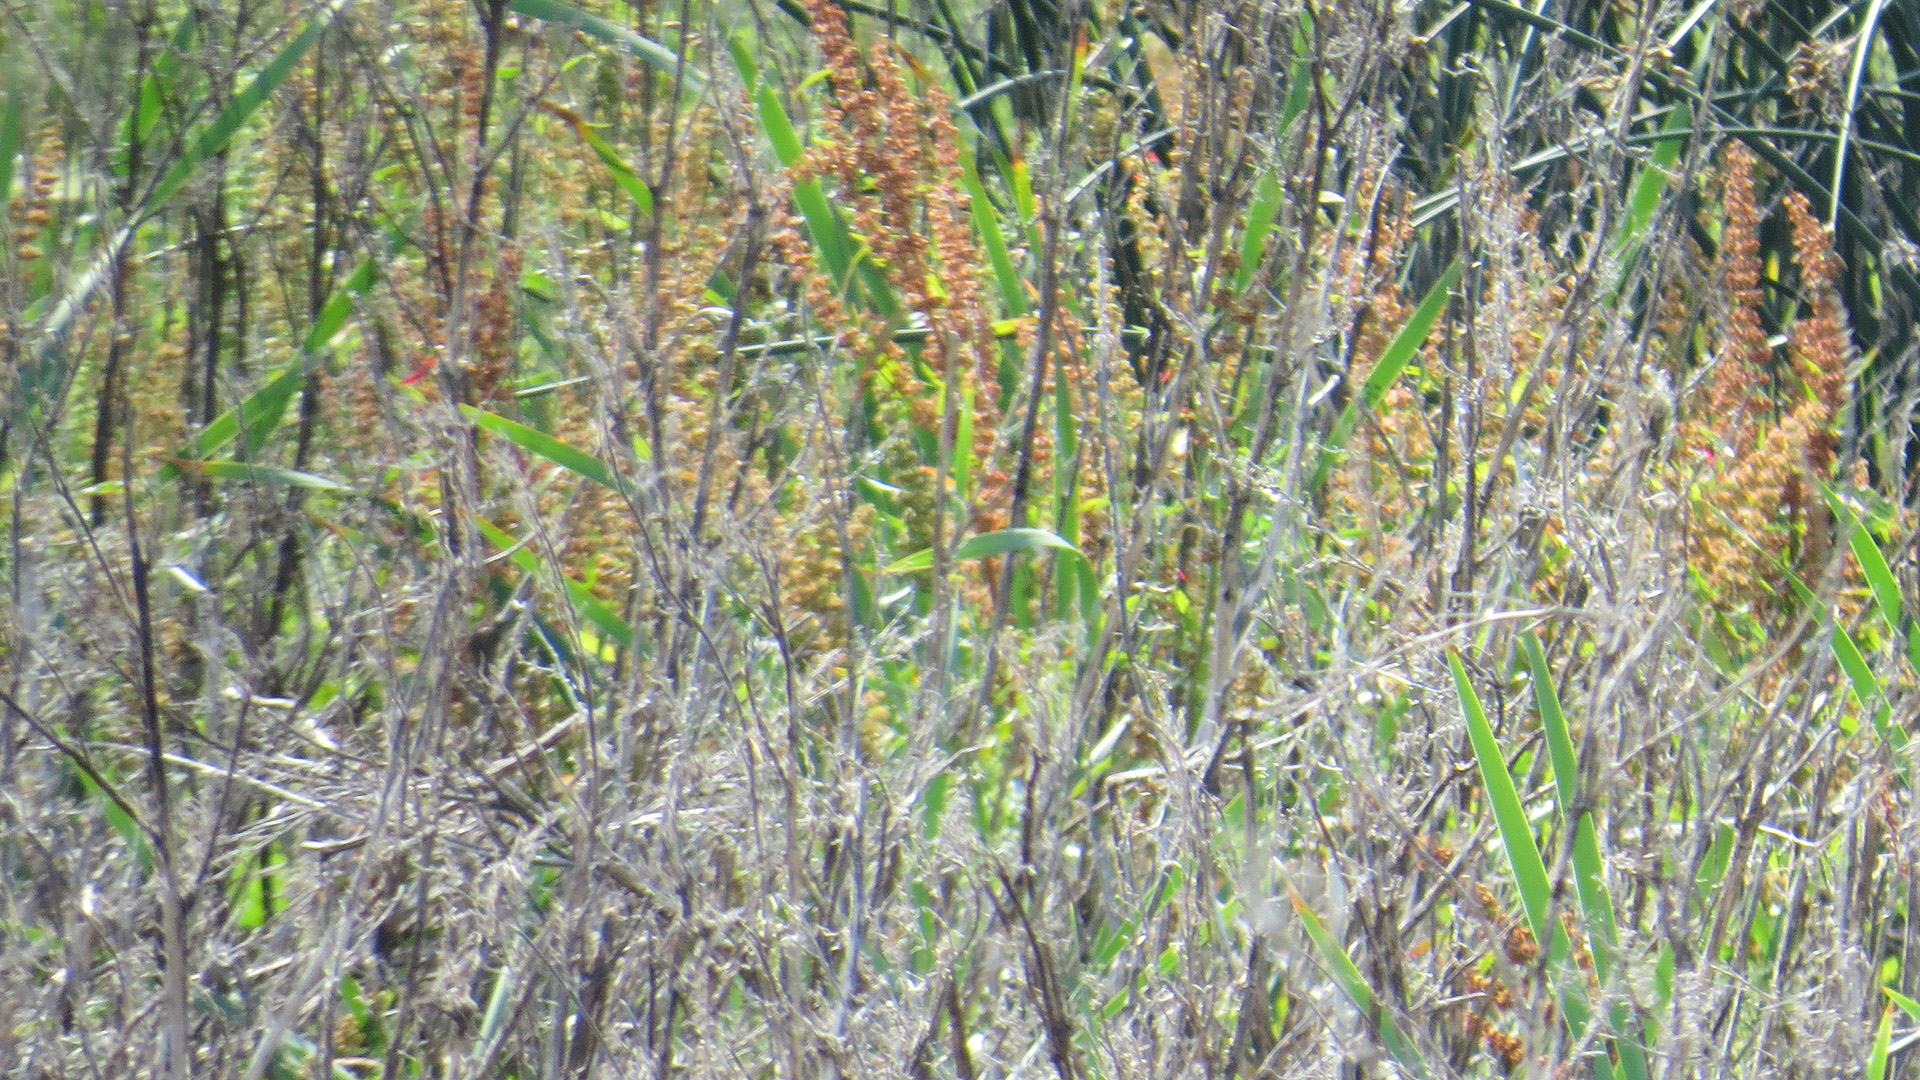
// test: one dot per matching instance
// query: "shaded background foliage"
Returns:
(957, 539)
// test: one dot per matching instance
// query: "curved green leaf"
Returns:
(651, 52)
(244, 105)
(1253, 238)
(623, 173)
(333, 316)
(1357, 990)
(1882, 1039)
(1516, 834)
(262, 410)
(545, 445)
(1393, 362)
(592, 607)
(1866, 687)
(1589, 871)
(263, 474)
(984, 546)
(1013, 294)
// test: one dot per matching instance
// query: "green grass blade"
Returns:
(1407, 342)
(1067, 571)
(262, 411)
(830, 235)
(1399, 353)
(1300, 77)
(1253, 238)
(497, 1001)
(650, 52)
(1653, 180)
(545, 445)
(1907, 1004)
(263, 474)
(1013, 293)
(787, 147)
(1357, 990)
(239, 110)
(1588, 868)
(1873, 564)
(1882, 1039)
(623, 173)
(334, 313)
(123, 823)
(984, 546)
(1516, 835)
(1596, 902)
(1866, 687)
(590, 606)
(1523, 857)
(10, 124)
(987, 545)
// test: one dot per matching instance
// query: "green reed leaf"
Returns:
(652, 53)
(1882, 1041)
(263, 474)
(1516, 835)
(1596, 903)
(591, 607)
(1393, 362)
(1355, 985)
(216, 135)
(545, 445)
(984, 546)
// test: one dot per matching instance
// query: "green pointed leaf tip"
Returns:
(1882, 1043)
(623, 174)
(1355, 985)
(592, 607)
(1393, 362)
(263, 474)
(545, 445)
(984, 546)
(1516, 832)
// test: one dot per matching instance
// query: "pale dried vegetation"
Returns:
(956, 540)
